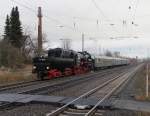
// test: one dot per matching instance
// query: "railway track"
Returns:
(66, 84)
(76, 89)
(40, 87)
(46, 87)
(78, 112)
(13, 84)
(18, 85)
(57, 86)
(108, 88)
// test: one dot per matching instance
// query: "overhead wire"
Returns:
(48, 17)
(100, 10)
(133, 9)
(136, 7)
(134, 15)
(62, 24)
(104, 16)
(101, 14)
(130, 14)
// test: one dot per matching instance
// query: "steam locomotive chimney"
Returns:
(39, 31)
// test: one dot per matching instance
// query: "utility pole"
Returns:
(39, 31)
(147, 84)
(82, 42)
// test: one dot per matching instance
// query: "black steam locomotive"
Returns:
(60, 62)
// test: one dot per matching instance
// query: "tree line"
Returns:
(15, 45)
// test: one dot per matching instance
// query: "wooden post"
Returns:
(147, 84)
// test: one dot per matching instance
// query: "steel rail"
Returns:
(129, 75)
(86, 77)
(66, 83)
(89, 75)
(61, 109)
(92, 111)
(14, 84)
(22, 84)
(28, 83)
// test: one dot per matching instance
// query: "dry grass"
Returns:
(142, 98)
(16, 76)
(140, 86)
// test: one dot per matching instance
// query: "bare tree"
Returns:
(10, 56)
(116, 54)
(30, 47)
(108, 53)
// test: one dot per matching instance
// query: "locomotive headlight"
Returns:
(34, 67)
(47, 68)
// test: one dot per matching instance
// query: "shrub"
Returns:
(10, 56)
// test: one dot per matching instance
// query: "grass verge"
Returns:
(7, 77)
(141, 85)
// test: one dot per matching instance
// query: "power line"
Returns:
(133, 7)
(57, 21)
(136, 6)
(105, 17)
(24, 6)
(99, 9)
(48, 17)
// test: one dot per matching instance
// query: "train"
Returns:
(59, 62)
(105, 62)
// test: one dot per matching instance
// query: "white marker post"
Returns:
(147, 71)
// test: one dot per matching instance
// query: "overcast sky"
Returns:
(99, 20)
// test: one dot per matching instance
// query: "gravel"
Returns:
(43, 83)
(124, 113)
(42, 109)
(29, 110)
(131, 89)
(78, 90)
